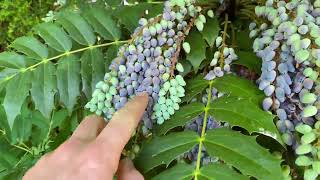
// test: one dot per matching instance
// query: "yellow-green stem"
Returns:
(203, 131)
(61, 55)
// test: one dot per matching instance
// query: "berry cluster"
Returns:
(197, 125)
(289, 46)
(148, 63)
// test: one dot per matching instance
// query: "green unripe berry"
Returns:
(162, 100)
(303, 128)
(316, 166)
(308, 98)
(165, 76)
(99, 112)
(173, 82)
(303, 161)
(180, 80)
(309, 111)
(122, 69)
(171, 110)
(317, 4)
(286, 170)
(317, 125)
(202, 18)
(166, 86)
(114, 81)
(136, 148)
(302, 55)
(100, 105)
(310, 174)
(113, 90)
(176, 106)
(186, 47)
(210, 13)
(314, 75)
(99, 85)
(93, 107)
(105, 87)
(304, 149)
(199, 25)
(152, 30)
(108, 97)
(308, 72)
(173, 91)
(101, 96)
(308, 138)
(179, 67)
(166, 115)
(160, 120)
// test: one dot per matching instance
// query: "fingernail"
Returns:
(142, 94)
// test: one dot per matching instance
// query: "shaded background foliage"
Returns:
(51, 109)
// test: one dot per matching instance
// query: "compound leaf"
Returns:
(31, 47)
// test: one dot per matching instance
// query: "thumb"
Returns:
(126, 170)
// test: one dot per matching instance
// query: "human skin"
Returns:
(94, 149)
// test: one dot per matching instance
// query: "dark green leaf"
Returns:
(54, 36)
(163, 150)
(236, 86)
(16, 92)
(243, 152)
(22, 126)
(179, 171)
(77, 27)
(130, 15)
(211, 31)
(216, 171)
(12, 60)
(110, 55)
(41, 128)
(31, 47)
(198, 49)
(44, 88)
(243, 40)
(92, 70)
(181, 117)
(58, 117)
(102, 22)
(68, 81)
(249, 60)
(242, 112)
(194, 87)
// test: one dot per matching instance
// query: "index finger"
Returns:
(117, 133)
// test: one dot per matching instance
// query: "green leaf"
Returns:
(77, 27)
(243, 40)
(130, 15)
(198, 49)
(194, 87)
(12, 60)
(181, 117)
(101, 20)
(22, 126)
(17, 90)
(92, 70)
(211, 31)
(110, 55)
(242, 112)
(164, 150)
(58, 117)
(243, 152)
(44, 87)
(215, 171)
(41, 128)
(240, 87)
(179, 171)
(31, 47)
(68, 81)
(54, 36)
(249, 60)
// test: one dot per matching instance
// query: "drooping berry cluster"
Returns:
(289, 46)
(149, 64)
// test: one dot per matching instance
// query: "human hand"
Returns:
(93, 151)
